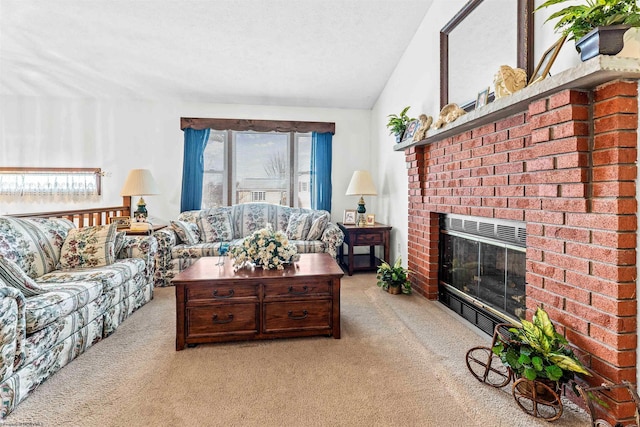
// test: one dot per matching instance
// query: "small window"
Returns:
(53, 183)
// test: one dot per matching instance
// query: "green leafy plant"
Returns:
(577, 20)
(398, 122)
(537, 351)
(394, 276)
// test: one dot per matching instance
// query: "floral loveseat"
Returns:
(202, 233)
(62, 289)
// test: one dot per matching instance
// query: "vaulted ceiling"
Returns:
(315, 53)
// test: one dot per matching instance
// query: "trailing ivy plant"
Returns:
(576, 21)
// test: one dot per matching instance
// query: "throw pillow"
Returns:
(119, 242)
(317, 227)
(187, 231)
(216, 227)
(89, 247)
(13, 276)
(298, 227)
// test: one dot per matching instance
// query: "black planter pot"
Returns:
(602, 41)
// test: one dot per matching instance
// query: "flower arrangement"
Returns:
(264, 248)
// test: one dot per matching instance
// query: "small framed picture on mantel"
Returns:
(483, 98)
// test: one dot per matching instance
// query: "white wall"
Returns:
(119, 135)
(416, 82)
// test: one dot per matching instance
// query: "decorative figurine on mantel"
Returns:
(509, 80)
(425, 124)
(448, 114)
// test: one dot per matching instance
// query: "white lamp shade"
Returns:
(361, 185)
(139, 182)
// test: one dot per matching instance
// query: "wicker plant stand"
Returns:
(536, 398)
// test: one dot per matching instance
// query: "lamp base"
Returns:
(141, 214)
(361, 220)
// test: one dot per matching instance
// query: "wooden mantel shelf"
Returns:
(586, 75)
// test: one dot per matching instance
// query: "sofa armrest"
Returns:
(143, 247)
(12, 331)
(332, 237)
(167, 239)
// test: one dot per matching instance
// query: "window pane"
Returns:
(303, 174)
(261, 166)
(214, 171)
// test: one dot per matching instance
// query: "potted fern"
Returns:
(597, 26)
(397, 123)
(394, 279)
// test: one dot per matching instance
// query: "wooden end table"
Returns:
(154, 227)
(369, 235)
(215, 303)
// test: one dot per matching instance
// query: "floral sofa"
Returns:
(63, 289)
(204, 232)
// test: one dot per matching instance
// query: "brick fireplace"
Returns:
(561, 159)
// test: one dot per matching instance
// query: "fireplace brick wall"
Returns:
(566, 166)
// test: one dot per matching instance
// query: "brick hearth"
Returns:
(564, 164)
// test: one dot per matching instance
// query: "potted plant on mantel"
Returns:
(394, 279)
(397, 123)
(538, 356)
(598, 27)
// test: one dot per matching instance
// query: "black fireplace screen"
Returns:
(483, 263)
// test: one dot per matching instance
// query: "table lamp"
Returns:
(140, 182)
(361, 185)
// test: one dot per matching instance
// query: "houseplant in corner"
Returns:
(598, 26)
(394, 279)
(397, 123)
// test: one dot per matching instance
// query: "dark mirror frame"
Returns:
(525, 41)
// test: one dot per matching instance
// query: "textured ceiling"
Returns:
(316, 53)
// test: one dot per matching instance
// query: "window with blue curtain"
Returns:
(292, 170)
(321, 171)
(195, 141)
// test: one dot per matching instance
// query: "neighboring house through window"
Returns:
(247, 166)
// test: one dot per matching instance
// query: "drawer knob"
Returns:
(305, 289)
(221, 321)
(304, 315)
(215, 294)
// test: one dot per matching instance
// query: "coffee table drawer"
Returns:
(222, 319)
(297, 290)
(297, 315)
(221, 292)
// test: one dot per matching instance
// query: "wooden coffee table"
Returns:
(215, 304)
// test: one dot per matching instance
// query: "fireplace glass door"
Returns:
(484, 271)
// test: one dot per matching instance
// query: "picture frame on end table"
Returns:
(120, 221)
(349, 217)
(370, 220)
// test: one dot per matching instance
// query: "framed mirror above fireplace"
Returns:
(483, 35)
(482, 269)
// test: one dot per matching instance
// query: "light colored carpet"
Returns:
(400, 362)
